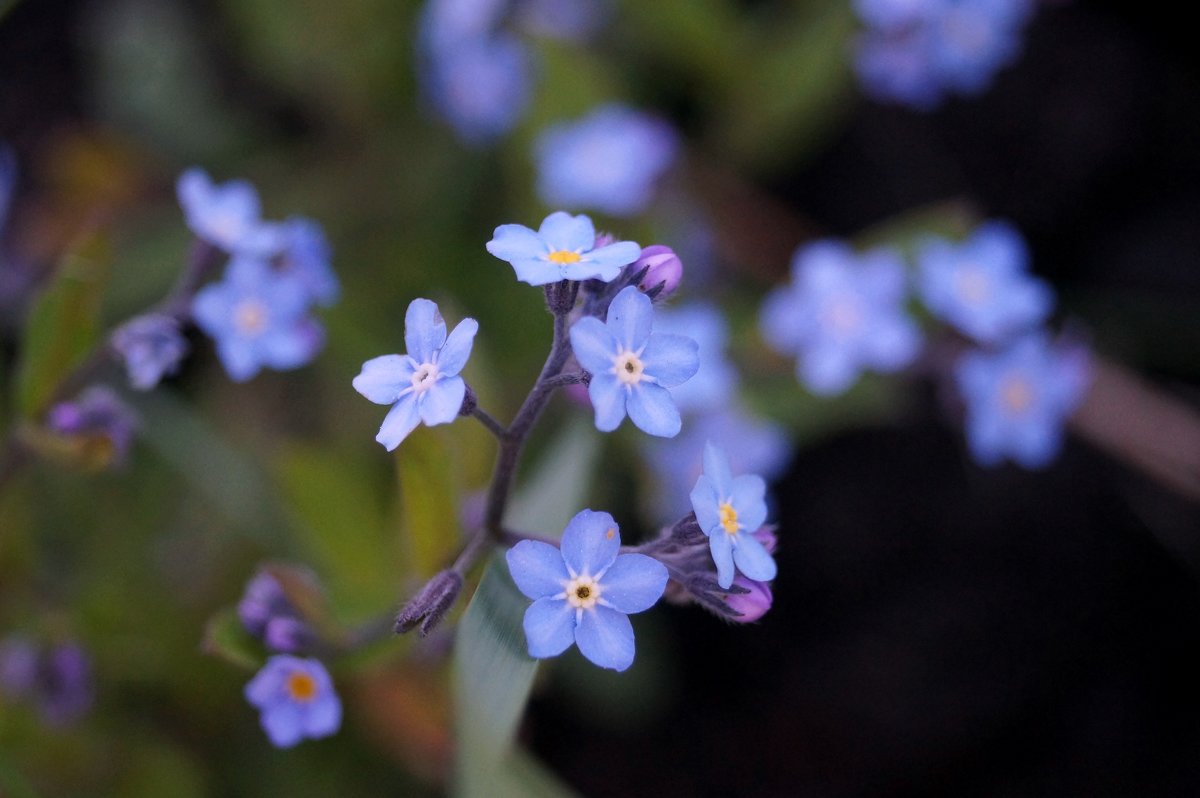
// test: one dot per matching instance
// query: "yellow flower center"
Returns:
(301, 687)
(563, 256)
(250, 317)
(583, 592)
(1016, 394)
(729, 519)
(629, 368)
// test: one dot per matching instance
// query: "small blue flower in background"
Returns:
(295, 699)
(102, 423)
(228, 215)
(56, 680)
(632, 369)
(481, 86)
(842, 313)
(715, 380)
(563, 248)
(422, 385)
(257, 318)
(982, 286)
(584, 593)
(569, 20)
(306, 255)
(267, 614)
(152, 347)
(8, 183)
(609, 161)
(752, 445)
(730, 510)
(1018, 399)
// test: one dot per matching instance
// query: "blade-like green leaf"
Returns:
(556, 490)
(428, 498)
(62, 326)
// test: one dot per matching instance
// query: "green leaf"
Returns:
(425, 468)
(225, 637)
(493, 675)
(557, 489)
(62, 326)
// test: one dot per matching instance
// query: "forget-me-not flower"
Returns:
(306, 255)
(256, 316)
(584, 593)
(981, 286)
(227, 215)
(152, 346)
(608, 161)
(295, 699)
(423, 385)
(1018, 399)
(480, 86)
(842, 313)
(730, 510)
(563, 248)
(632, 368)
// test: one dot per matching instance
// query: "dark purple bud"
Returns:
(263, 600)
(662, 266)
(561, 296)
(469, 402)
(103, 424)
(288, 635)
(430, 605)
(152, 347)
(687, 531)
(751, 605)
(64, 690)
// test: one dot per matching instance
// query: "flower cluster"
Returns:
(916, 52)
(269, 615)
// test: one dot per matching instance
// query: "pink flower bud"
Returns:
(664, 267)
(752, 605)
(766, 536)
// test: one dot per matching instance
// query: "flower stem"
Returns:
(494, 426)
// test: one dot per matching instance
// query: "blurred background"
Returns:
(938, 628)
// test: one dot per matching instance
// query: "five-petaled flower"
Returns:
(228, 215)
(730, 510)
(422, 385)
(257, 317)
(631, 368)
(152, 346)
(584, 592)
(295, 699)
(563, 248)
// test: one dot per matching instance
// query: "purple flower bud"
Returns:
(64, 684)
(288, 635)
(151, 346)
(766, 536)
(430, 605)
(263, 600)
(752, 604)
(662, 266)
(100, 420)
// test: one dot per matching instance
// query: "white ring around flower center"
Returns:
(582, 592)
(424, 377)
(628, 367)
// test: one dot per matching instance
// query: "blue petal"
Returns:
(383, 378)
(293, 346)
(457, 348)
(588, 270)
(705, 503)
(752, 559)
(265, 687)
(779, 323)
(608, 397)
(653, 410)
(747, 498)
(193, 188)
(633, 583)
(605, 636)
(549, 627)
(1036, 442)
(893, 344)
(590, 542)
(671, 359)
(986, 436)
(721, 548)
(828, 369)
(283, 724)
(537, 272)
(239, 357)
(400, 420)
(593, 345)
(211, 309)
(629, 318)
(614, 256)
(512, 242)
(324, 716)
(424, 330)
(716, 467)
(441, 403)
(561, 230)
(537, 568)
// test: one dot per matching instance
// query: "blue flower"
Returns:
(1018, 399)
(631, 368)
(152, 347)
(306, 255)
(56, 680)
(8, 183)
(715, 380)
(257, 318)
(609, 161)
(584, 593)
(981, 286)
(569, 20)
(295, 699)
(227, 216)
(729, 511)
(842, 313)
(422, 385)
(563, 248)
(268, 615)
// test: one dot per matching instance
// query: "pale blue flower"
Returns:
(480, 86)
(632, 369)
(228, 215)
(608, 161)
(842, 313)
(295, 699)
(584, 593)
(423, 385)
(257, 318)
(152, 346)
(982, 286)
(306, 255)
(1018, 399)
(730, 510)
(563, 248)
